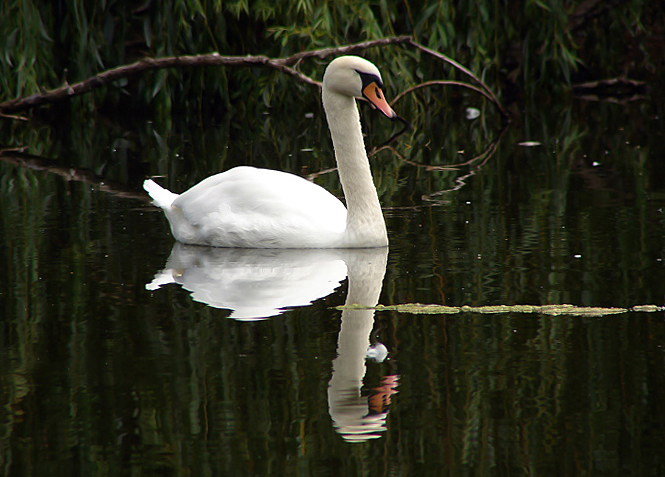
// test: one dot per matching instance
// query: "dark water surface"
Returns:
(101, 375)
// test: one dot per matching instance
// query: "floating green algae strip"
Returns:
(553, 310)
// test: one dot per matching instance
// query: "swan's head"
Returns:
(356, 77)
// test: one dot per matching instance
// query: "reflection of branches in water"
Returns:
(474, 165)
(407, 126)
(17, 158)
(620, 90)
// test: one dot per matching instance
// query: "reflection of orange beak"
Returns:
(374, 95)
(380, 401)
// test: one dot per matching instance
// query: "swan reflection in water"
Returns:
(254, 283)
(260, 283)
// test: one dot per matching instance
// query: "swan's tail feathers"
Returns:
(162, 278)
(161, 197)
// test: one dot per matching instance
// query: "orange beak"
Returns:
(372, 92)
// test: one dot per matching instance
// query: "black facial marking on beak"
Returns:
(368, 78)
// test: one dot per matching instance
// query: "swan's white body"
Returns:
(262, 208)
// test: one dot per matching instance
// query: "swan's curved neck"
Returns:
(365, 226)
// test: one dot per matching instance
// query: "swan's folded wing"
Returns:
(246, 206)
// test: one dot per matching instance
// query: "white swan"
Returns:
(262, 208)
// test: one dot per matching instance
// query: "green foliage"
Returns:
(25, 42)
(532, 43)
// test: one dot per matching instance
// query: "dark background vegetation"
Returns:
(520, 48)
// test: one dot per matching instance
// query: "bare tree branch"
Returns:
(347, 49)
(489, 94)
(440, 83)
(285, 65)
(141, 66)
